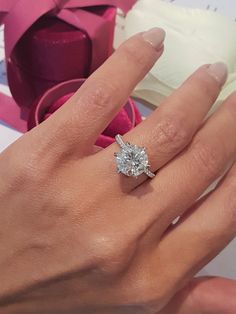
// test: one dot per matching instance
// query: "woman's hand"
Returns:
(77, 237)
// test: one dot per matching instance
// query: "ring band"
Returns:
(131, 160)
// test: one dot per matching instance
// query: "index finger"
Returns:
(90, 110)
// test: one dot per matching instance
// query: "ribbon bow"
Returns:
(19, 15)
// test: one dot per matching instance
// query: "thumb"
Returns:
(205, 295)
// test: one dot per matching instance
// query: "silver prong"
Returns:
(119, 140)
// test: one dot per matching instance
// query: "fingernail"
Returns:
(155, 36)
(219, 71)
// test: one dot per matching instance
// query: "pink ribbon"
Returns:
(5, 7)
(24, 13)
(18, 15)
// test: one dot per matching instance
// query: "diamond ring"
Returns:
(131, 160)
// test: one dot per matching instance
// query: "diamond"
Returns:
(131, 160)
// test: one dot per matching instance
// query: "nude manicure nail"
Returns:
(219, 71)
(155, 36)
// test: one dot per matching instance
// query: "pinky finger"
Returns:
(202, 233)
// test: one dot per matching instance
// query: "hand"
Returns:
(77, 237)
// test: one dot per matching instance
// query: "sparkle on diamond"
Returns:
(131, 160)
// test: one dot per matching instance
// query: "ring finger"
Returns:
(169, 128)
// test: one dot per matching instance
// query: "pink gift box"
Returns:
(55, 97)
(53, 42)
(53, 51)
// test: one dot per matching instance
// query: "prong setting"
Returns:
(131, 160)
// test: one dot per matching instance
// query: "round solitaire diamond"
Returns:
(131, 160)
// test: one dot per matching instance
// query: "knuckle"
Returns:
(208, 158)
(230, 203)
(101, 95)
(24, 171)
(31, 171)
(112, 254)
(171, 135)
(144, 292)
